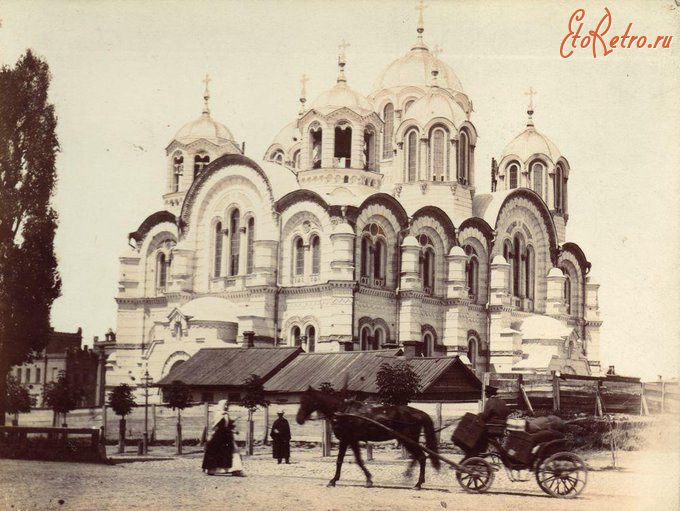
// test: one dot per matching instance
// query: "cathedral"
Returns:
(361, 229)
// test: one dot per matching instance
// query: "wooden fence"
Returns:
(662, 396)
(570, 394)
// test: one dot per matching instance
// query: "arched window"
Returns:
(295, 336)
(558, 188)
(217, 253)
(365, 256)
(162, 271)
(408, 104)
(473, 351)
(369, 150)
(316, 255)
(472, 271)
(427, 263)
(513, 172)
(278, 157)
(567, 293)
(439, 157)
(250, 246)
(311, 339)
(411, 156)
(529, 272)
(463, 157)
(378, 338)
(516, 266)
(379, 251)
(296, 159)
(299, 257)
(537, 171)
(388, 117)
(235, 242)
(315, 138)
(200, 162)
(178, 169)
(366, 338)
(343, 146)
(428, 344)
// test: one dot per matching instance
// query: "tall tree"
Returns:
(179, 397)
(253, 398)
(29, 281)
(398, 383)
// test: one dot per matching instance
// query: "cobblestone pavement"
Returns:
(648, 481)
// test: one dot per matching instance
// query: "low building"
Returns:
(63, 354)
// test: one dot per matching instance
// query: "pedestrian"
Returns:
(219, 449)
(281, 436)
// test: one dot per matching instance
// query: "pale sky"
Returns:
(127, 76)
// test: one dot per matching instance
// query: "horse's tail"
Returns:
(431, 442)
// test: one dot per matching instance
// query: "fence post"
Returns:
(599, 408)
(663, 396)
(153, 423)
(556, 391)
(325, 438)
(104, 408)
(265, 440)
(523, 394)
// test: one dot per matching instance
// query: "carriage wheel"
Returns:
(475, 475)
(562, 475)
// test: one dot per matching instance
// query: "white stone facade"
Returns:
(361, 229)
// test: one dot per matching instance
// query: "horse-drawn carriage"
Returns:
(559, 473)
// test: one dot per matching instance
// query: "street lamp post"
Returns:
(146, 381)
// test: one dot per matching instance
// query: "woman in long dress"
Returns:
(233, 465)
(220, 448)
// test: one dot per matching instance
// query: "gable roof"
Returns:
(229, 367)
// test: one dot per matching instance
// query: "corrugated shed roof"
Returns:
(230, 366)
(359, 366)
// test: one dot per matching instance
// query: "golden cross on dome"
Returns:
(531, 93)
(206, 94)
(343, 46)
(304, 81)
(421, 7)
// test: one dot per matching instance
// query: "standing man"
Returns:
(281, 436)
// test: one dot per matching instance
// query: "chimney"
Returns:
(411, 349)
(249, 339)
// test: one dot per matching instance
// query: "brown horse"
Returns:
(349, 429)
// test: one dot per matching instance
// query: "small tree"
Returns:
(179, 396)
(122, 402)
(61, 397)
(397, 383)
(252, 399)
(18, 399)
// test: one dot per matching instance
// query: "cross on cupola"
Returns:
(303, 93)
(342, 60)
(421, 24)
(530, 110)
(206, 94)
(435, 65)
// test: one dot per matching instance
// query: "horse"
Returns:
(407, 422)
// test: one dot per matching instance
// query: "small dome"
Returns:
(436, 103)
(555, 272)
(210, 308)
(343, 228)
(499, 259)
(288, 136)
(410, 241)
(415, 68)
(204, 128)
(531, 142)
(342, 95)
(457, 251)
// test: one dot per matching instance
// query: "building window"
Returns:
(311, 339)
(37, 375)
(217, 253)
(388, 117)
(428, 344)
(378, 338)
(278, 157)
(235, 242)
(439, 155)
(516, 266)
(18, 374)
(296, 159)
(411, 156)
(379, 251)
(513, 171)
(299, 250)
(316, 255)
(558, 188)
(369, 150)
(473, 351)
(315, 138)
(408, 104)
(463, 157)
(365, 256)
(250, 245)
(529, 272)
(343, 146)
(295, 336)
(537, 171)
(162, 271)
(472, 272)
(367, 340)
(28, 375)
(427, 263)
(567, 293)
(373, 255)
(178, 169)
(200, 162)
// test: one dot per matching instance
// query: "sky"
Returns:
(127, 75)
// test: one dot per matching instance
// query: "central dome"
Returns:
(204, 128)
(342, 95)
(415, 68)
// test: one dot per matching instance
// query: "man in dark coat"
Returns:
(281, 436)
